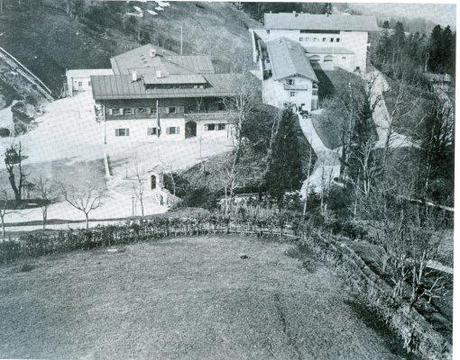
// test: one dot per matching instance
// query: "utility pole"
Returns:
(181, 40)
(158, 118)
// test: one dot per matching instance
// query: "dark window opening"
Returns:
(122, 132)
(152, 131)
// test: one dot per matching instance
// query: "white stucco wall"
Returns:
(138, 130)
(73, 84)
(273, 92)
(352, 40)
(356, 42)
(83, 76)
(202, 132)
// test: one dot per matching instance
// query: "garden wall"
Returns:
(418, 335)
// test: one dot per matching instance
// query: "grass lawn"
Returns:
(193, 298)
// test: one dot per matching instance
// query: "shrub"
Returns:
(4, 132)
(201, 197)
(26, 268)
(347, 228)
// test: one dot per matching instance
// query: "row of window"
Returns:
(315, 39)
(172, 130)
(80, 83)
(140, 110)
(214, 127)
(150, 110)
(293, 93)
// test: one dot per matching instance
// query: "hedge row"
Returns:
(39, 243)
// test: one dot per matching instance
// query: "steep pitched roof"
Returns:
(288, 58)
(296, 21)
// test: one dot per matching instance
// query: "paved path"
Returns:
(184, 298)
(327, 165)
(381, 115)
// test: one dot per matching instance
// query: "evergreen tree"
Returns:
(398, 40)
(384, 48)
(327, 9)
(436, 163)
(362, 143)
(436, 57)
(285, 170)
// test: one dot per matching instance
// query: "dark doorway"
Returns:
(190, 129)
(153, 182)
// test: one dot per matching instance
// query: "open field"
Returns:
(193, 298)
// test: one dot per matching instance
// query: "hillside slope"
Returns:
(49, 40)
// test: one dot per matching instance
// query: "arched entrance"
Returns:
(153, 182)
(190, 129)
(314, 61)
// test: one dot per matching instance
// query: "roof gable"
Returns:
(296, 21)
(288, 58)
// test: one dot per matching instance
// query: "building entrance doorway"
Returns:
(190, 129)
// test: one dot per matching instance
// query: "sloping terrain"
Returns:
(48, 39)
(193, 298)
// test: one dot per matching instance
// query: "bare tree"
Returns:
(239, 108)
(13, 159)
(326, 182)
(5, 209)
(47, 193)
(138, 187)
(84, 191)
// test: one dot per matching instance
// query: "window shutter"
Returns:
(178, 130)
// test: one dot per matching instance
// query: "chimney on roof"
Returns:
(159, 74)
(153, 52)
(134, 75)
